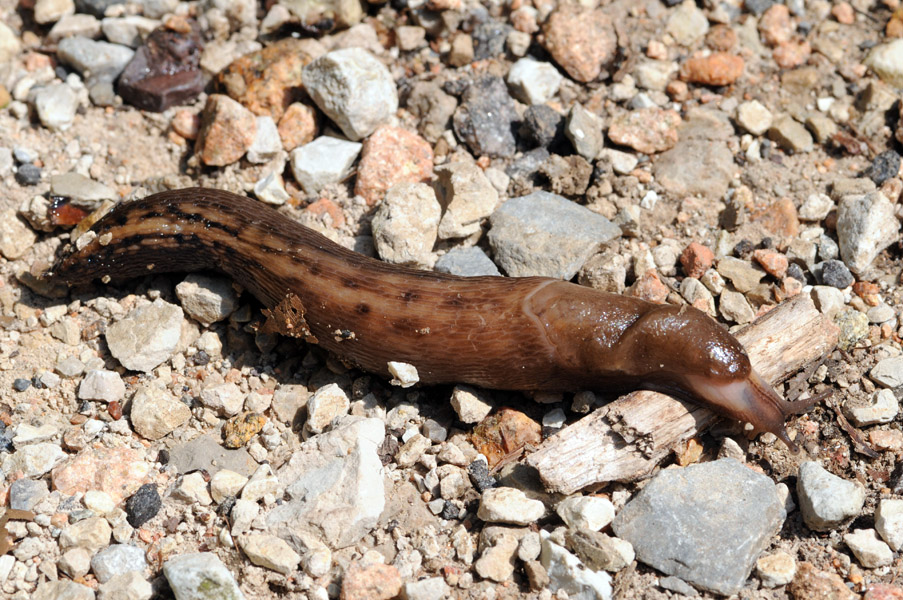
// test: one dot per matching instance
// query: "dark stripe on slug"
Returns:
(350, 283)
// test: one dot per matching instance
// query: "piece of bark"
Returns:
(626, 439)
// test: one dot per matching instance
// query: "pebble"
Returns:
(354, 89)
(374, 581)
(99, 502)
(881, 314)
(324, 161)
(92, 534)
(584, 130)
(117, 471)
(466, 262)
(165, 71)
(547, 235)
(497, 560)
(16, 237)
(775, 570)
(532, 81)
(270, 552)
(50, 11)
(829, 300)
(155, 412)
(75, 562)
(865, 226)
(888, 372)
(225, 484)
(147, 336)
(485, 117)
(566, 573)
(200, 575)
(406, 224)
(790, 134)
(271, 189)
(470, 404)
(390, 156)
(117, 559)
(716, 69)
(267, 142)
(207, 299)
(298, 126)
(467, 198)
(741, 273)
(129, 30)
(226, 133)
(143, 505)
(600, 552)
(82, 191)
(9, 43)
(886, 60)
(24, 494)
(646, 130)
(354, 489)
(409, 453)
(883, 408)
(128, 586)
(433, 106)
(812, 583)
(687, 25)
(509, 505)
(28, 174)
(225, 398)
(56, 105)
(62, 589)
(889, 522)
(586, 512)
(431, 588)
(754, 117)
(870, 551)
(581, 40)
(825, 499)
(685, 522)
(99, 384)
(854, 326)
(542, 126)
(836, 274)
(326, 404)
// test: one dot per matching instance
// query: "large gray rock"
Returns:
(545, 234)
(706, 523)
(334, 485)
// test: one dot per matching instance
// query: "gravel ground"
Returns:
(747, 152)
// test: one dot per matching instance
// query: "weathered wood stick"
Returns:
(626, 439)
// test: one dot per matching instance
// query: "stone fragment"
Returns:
(754, 117)
(812, 583)
(888, 372)
(267, 143)
(207, 299)
(147, 336)
(371, 581)
(566, 573)
(467, 262)
(100, 384)
(889, 522)
(687, 24)
(647, 130)
(56, 105)
(128, 586)
(716, 69)
(685, 522)
(598, 551)
(353, 88)
(227, 131)
(92, 534)
(584, 130)
(886, 60)
(532, 81)
(470, 404)
(586, 512)
(544, 234)
(581, 40)
(62, 589)
(165, 71)
(497, 561)
(200, 575)
(509, 505)
(466, 197)
(826, 500)
(790, 134)
(776, 569)
(868, 549)
(117, 471)
(434, 108)
(431, 588)
(484, 119)
(324, 161)
(390, 156)
(143, 505)
(866, 225)
(225, 398)
(270, 552)
(696, 167)
(155, 412)
(298, 126)
(882, 408)
(406, 224)
(117, 560)
(16, 237)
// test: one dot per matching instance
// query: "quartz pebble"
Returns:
(826, 500)
(322, 162)
(532, 81)
(882, 408)
(586, 512)
(870, 551)
(776, 569)
(509, 505)
(865, 226)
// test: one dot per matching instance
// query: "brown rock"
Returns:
(268, 81)
(868, 291)
(811, 583)
(373, 582)
(461, 52)
(298, 126)
(650, 288)
(580, 40)
(775, 26)
(773, 262)
(843, 12)
(186, 124)
(392, 155)
(696, 259)
(504, 432)
(780, 218)
(117, 471)
(719, 68)
(647, 130)
(721, 38)
(791, 54)
(227, 131)
(886, 440)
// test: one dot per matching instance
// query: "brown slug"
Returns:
(528, 333)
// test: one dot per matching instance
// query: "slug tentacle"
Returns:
(496, 332)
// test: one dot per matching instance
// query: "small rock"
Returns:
(324, 161)
(117, 559)
(466, 262)
(584, 130)
(509, 505)
(62, 590)
(143, 505)
(56, 105)
(326, 404)
(155, 412)
(825, 499)
(200, 575)
(735, 308)
(812, 583)
(403, 374)
(366, 582)
(431, 588)
(207, 299)
(696, 259)
(889, 522)
(128, 586)
(467, 197)
(646, 130)
(888, 372)
(543, 127)
(75, 562)
(406, 224)
(865, 226)
(471, 405)
(267, 143)
(742, 274)
(147, 337)
(754, 117)
(532, 81)
(484, 119)
(225, 398)
(227, 131)
(790, 134)
(16, 237)
(99, 384)
(776, 569)
(298, 126)
(886, 60)
(718, 68)
(600, 552)
(882, 409)
(581, 40)
(354, 89)
(497, 561)
(24, 494)
(586, 512)
(836, 274)
(687, 24)
(774, 263)
(92, 534)
(270, 552)
(225, 484)
(391, 155)
(566, 573)
(854, 326)
(868, 549)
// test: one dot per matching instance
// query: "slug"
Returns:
(529, 333)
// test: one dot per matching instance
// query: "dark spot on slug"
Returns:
(350, 283)
(363, 308)
(409, 296)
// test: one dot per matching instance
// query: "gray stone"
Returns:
(62, 590)
(532, 81)
(24, 494)
(354, 89)
(92, 534)
(467, 262)
(82, 191)
(324, 161)
(870, 551)
(34, 460)
(93, 58)
(434, 108)
(826, 500)
(201, 576)
(567, 573)
(485, 117)
(790, 135)
(206, 452)
(56, 105)
(147, 337)
(74, 25)
(548, 235)
(866, 225)
(467, 197)
(207, 299)
(117, 560)
(406, 224)
(882, 408)
(696, 167)
(741, 273)
(128, 586)
(686, 522)
(129, 30)
(584, 129)
(598, 551)
(334, 485)
(888, 372)
(734, 307)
